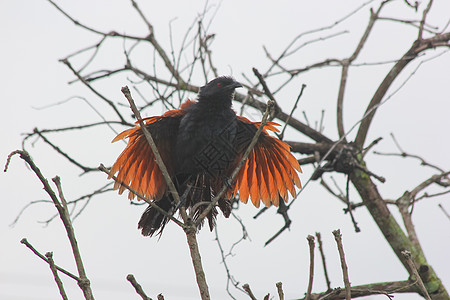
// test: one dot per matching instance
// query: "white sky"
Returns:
(34, 35)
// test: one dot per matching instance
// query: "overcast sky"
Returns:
(34, 36)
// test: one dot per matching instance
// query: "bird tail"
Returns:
(153, 220)
(196, 194)
(201, 191)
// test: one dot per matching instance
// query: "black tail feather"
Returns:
(193, 191)
(152, 220)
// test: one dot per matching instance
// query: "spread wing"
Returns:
(270, 171)
(136, 165)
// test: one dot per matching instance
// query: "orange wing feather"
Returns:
(136, 165)
(270, 171)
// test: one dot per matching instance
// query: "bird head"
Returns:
(219, 89)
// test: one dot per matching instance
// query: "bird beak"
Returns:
(236, 85)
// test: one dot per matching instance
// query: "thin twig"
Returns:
(322, 255)
(58, 281)
(292, 111)
(29, 246)
(109, 102)
(230, 277)
(422, 21)
(266, 89)
(57, 149)
(349, 206)
(345, 68)
(444, 211)
(338, 238)
(404, 154)
(283, 211)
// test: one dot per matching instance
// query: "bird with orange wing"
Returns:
(201, 143)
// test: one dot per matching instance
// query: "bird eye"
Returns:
(219, 84)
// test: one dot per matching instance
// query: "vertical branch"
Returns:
(83, 282)
(340, 101)
(423, 20)
(311, 244)
(403, 204)
(292, 111)
(322, 255)
(345, 67)
(191, 235)
(58, 281)
(279, 286)
(338, 238)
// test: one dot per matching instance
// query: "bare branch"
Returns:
(137, 287)
(57, 149)
(382, 288)
(405, 154)
(424, 17)
(322, 255)
(230, 277)
(292, 111)
(109, 102)
(444, 211)
(345, 67)
(54, 270)
(279, 286)
(418, 46)
(249, 292)
(282, 210)
(419, 281)
(83, 281)
(266, 89)
(111, 34)
(311, 244)
(338, 238)
(29, 246)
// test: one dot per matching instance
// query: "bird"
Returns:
(201, 143)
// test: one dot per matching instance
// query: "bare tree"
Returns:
(344, 156)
